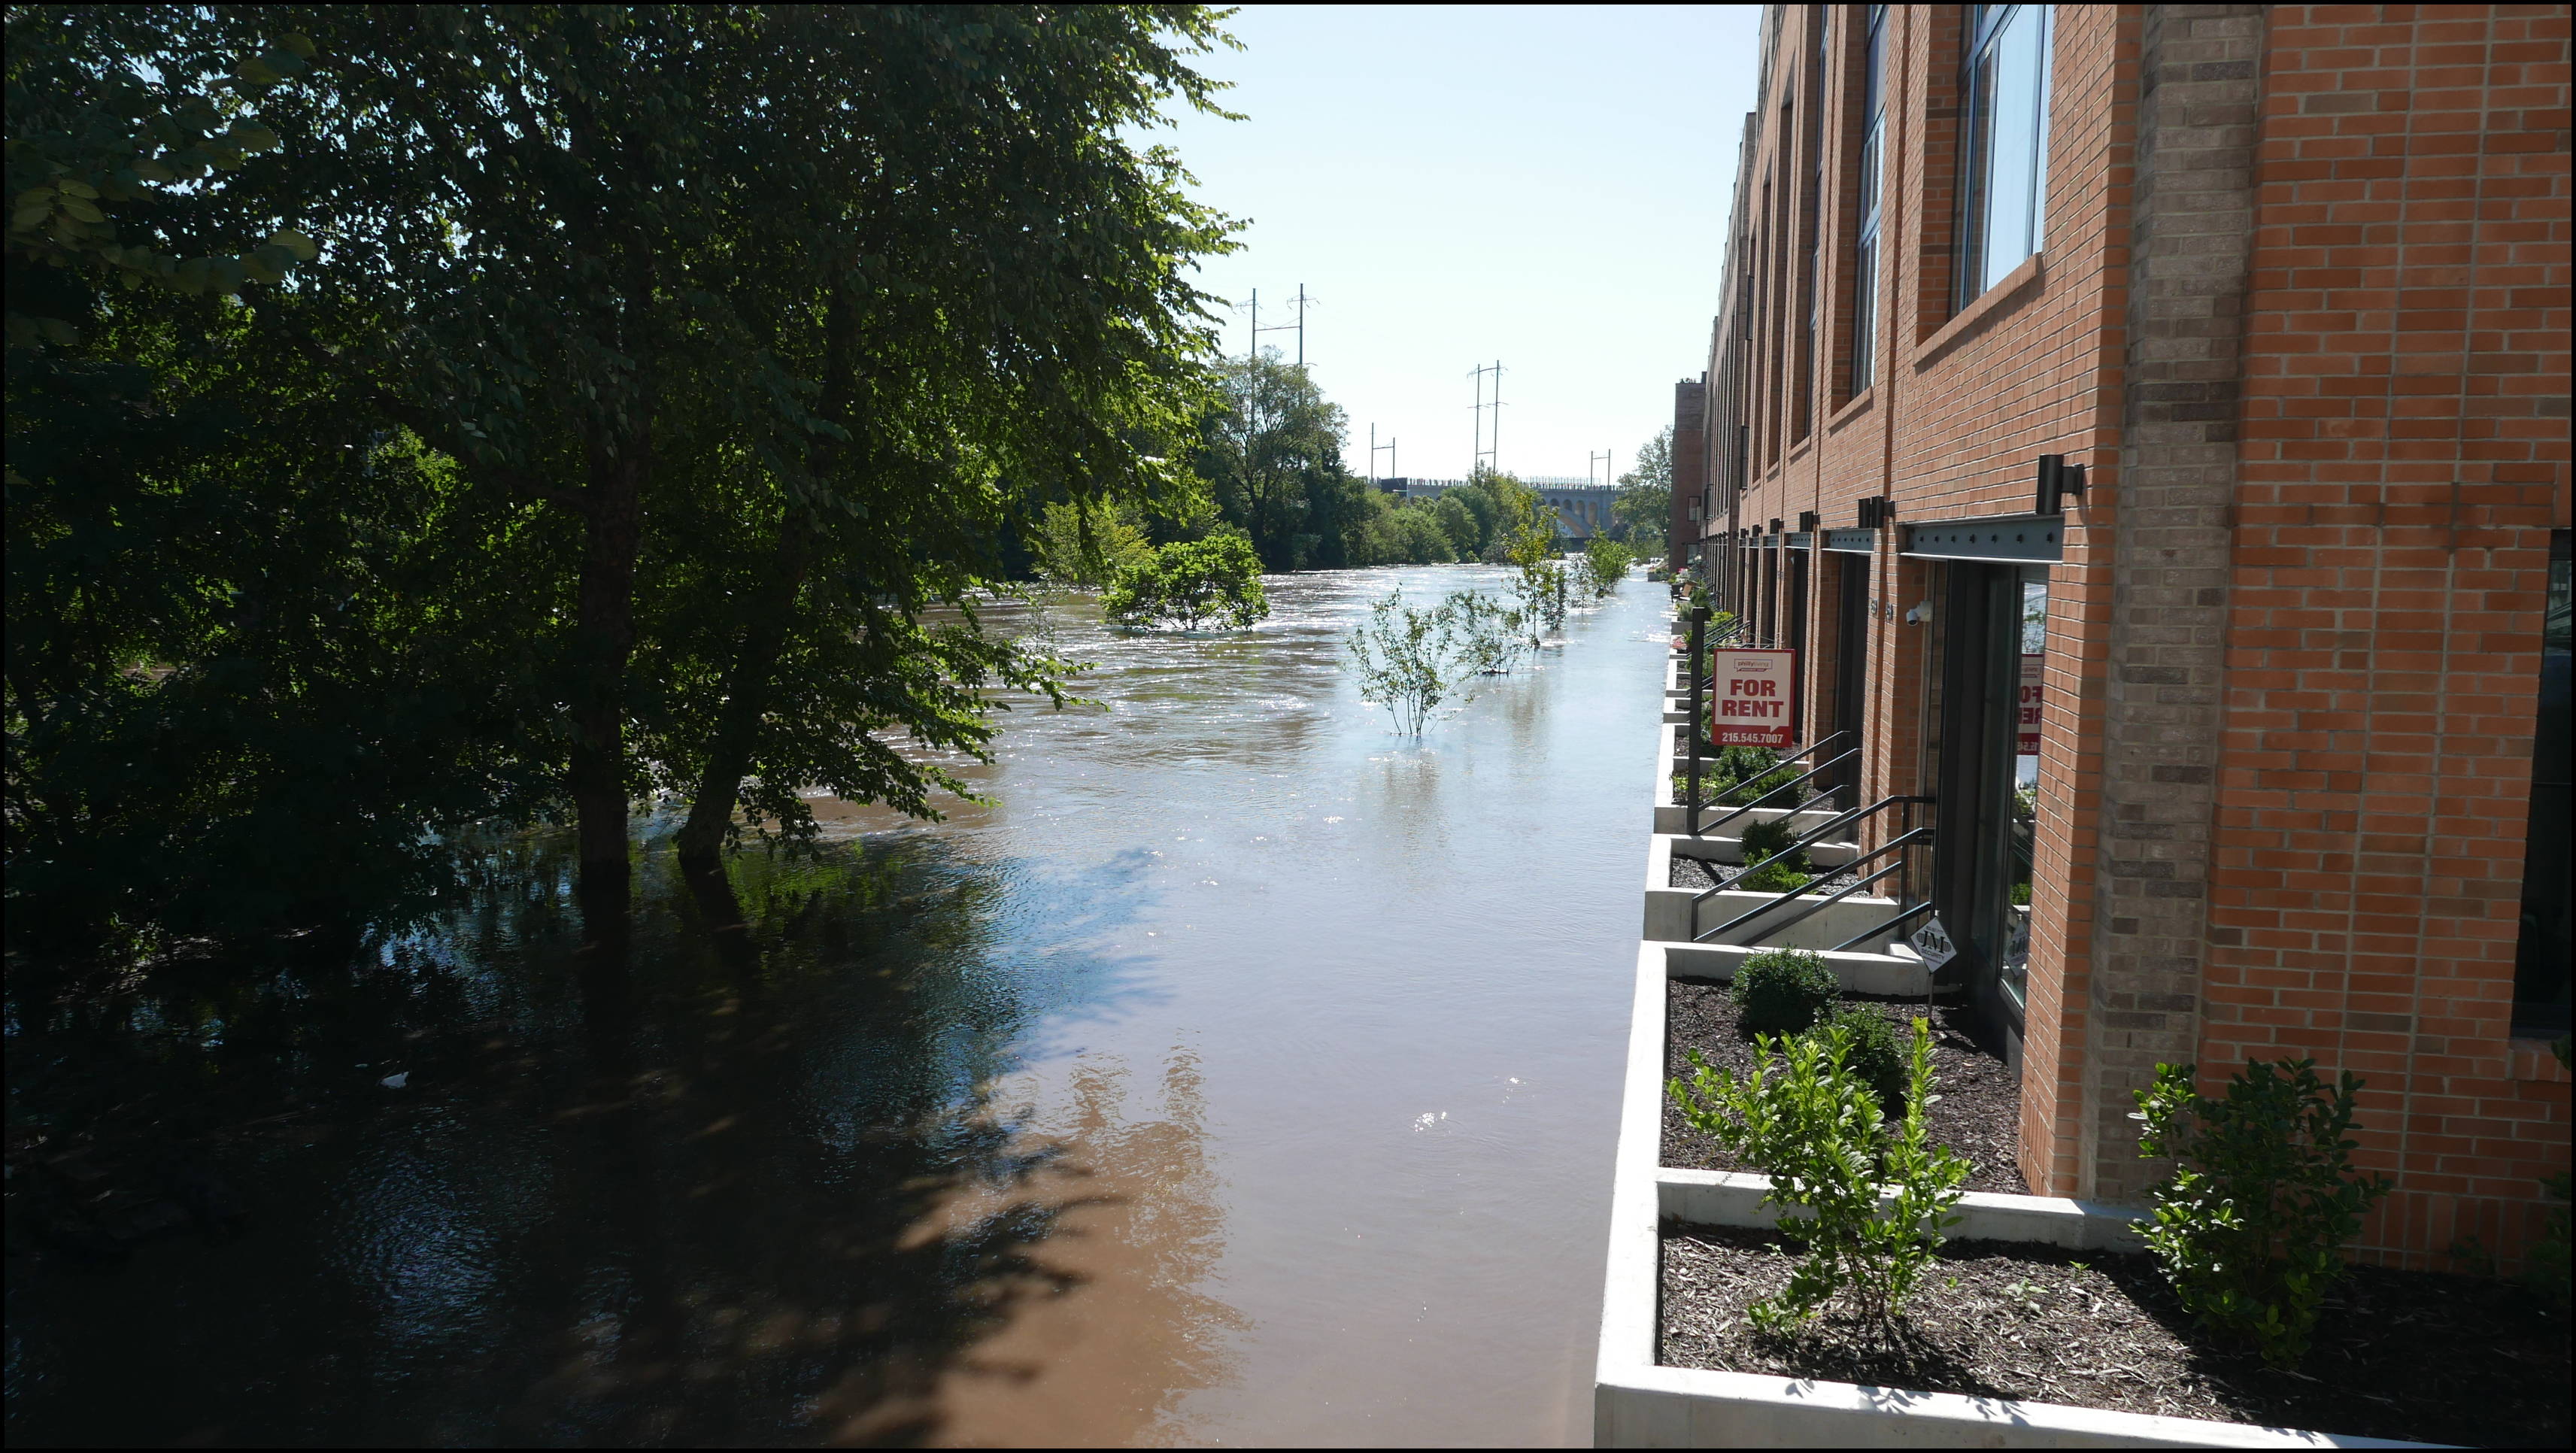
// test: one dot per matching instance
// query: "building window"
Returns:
(2004, 162)
(2540, 980)
(1873, 164)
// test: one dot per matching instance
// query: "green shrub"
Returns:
(1783, 991)
(1775, 875)
(1874, 1055)
(1766, 839)
(1817, 1131)
(2263, 1197)
(1756, 787)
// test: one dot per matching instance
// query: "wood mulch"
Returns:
(2414, 1355)
(1978, 1113)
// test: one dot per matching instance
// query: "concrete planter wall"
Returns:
(1638, 1403)
(1680, 913)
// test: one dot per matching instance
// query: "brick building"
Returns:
(2234, 750)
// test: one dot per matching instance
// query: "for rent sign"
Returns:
(2026, 711)
(1750, 703)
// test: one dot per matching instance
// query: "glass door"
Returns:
(1851, 655)
(1994, 637)
(2021, 815)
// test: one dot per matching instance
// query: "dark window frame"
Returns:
(1980, 113)
(1872, 204)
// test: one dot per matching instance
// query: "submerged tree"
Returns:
(1404, 659)
(1606, 563)
(1192, 584)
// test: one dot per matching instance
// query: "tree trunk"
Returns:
(729, 755)
(604, 637)
(747, 685)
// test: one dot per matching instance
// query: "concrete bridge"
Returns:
(1582, 507)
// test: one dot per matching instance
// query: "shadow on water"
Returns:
(733, 1174)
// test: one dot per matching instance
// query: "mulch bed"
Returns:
(1978, 1114)
(2398, 1354)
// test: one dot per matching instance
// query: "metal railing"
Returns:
(1699, 829)
(1908, 834)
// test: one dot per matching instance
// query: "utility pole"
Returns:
(1374, 446)
(1492, 451)
(1601, 457)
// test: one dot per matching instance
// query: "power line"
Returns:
(1303, 302)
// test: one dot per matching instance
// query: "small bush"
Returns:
(1766, 839)
(1761, 785)
(1818, 1132)
(1874, 1055)
(1776, 875)
(2251, 1223)
(1783, 991)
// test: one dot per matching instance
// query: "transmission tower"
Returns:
(1489, 442)
(1303, 302)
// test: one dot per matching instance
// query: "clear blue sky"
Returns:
(1543, 185)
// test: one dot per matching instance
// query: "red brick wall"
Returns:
(2400, 455)
(2405, 454)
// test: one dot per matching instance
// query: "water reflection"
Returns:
(1241, 1072)
(732, 1176)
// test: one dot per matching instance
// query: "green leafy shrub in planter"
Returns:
(1778, 875)
(2250, 1224)
(1766, 839)
(1759, 785)
(1816, 1129)
(1874, 1055)
(1783, 991)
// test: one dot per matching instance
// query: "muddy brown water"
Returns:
(1242, 1074)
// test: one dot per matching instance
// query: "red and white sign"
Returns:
(1753, 700)
(2026, 710)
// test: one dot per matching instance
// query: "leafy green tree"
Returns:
(1076, 546)
(1487, 511)
(703, 354)
(1527, 531)
(1644, 505)
(1607, 561)
(264, 653)
(131, 113)
(1192, 584)
(1268, 448)
(1459, 523)
(860, 330)
(1396, 532)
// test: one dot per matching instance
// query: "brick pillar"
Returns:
(2191, 235)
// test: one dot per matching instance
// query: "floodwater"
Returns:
(1242, 1074)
